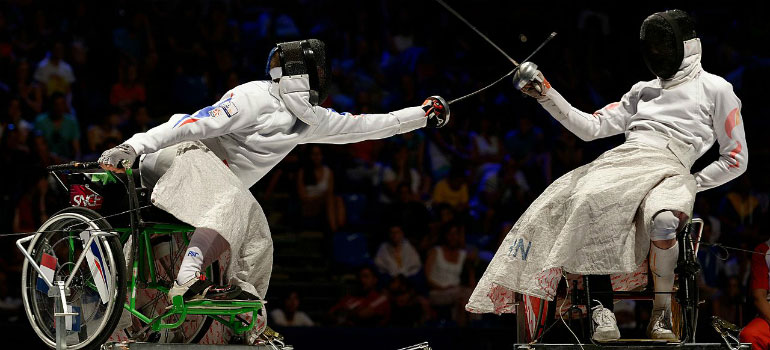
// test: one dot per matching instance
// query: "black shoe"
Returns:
(247, 296)
(202, 288)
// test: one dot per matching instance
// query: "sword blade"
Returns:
(553, 34)
(477, 32)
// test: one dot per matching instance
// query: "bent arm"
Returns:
(608, 121)
(231, 113)
(731, 136)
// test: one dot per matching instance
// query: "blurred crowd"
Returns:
(79, 77)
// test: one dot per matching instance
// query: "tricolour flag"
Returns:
(99, 270)
(48, 267)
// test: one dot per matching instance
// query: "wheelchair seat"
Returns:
(110, 197)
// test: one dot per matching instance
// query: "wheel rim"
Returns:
(94, 315)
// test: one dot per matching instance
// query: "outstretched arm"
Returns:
(733, 152)
(334, 127)
(608, 121)
(344, 127)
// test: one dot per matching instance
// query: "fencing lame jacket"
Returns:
(256, 124)
(694, 106)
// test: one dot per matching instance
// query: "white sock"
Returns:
(191, 265)
(662, 264)
(204, 243)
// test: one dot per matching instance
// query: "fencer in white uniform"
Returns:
(250, 129)
(668, 122)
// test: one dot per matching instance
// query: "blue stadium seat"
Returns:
(351, 249)
(355, 209)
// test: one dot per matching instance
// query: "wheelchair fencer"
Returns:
(79, 252)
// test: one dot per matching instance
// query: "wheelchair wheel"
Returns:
(60, 242)
(169, 251)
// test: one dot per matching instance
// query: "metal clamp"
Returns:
(726, 330)
(31, 260)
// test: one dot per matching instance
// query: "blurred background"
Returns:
(358, 228)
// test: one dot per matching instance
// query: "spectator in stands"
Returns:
(35, 205)
(712, 266)
(397, 256)
(29, 90)
(315, 185)
(411, 213)
(415, 145)
(127, 90)
(139, 121)
(14, 147)
(444, 268)
(54, 74)
(366, 306)
(97, 133)
(398, 172)
(445, 216)
(446, 149)
(729, 303)
(568, 154)
(290, 315)
(486, 148)
(15, 114)
(504, 188)
(704, 210)
(453, 190)
(527, 145)
(59, 129)
(521, 143)
(757, 332)
(407, 307)
(740, 207)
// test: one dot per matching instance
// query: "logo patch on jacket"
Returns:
(226, 107)
(229, 108)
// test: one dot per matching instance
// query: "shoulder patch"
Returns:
(229, 108)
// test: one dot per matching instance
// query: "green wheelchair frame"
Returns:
(143, 264)
(143, 272)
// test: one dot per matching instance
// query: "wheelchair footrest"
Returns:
(212, 304)
(622, 341)
(636, 346)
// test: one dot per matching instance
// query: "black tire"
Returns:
(34, 300)
(687, 294)
(689, 307)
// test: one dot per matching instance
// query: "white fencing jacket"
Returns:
(694, 106)
(255, 125)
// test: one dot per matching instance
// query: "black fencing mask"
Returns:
(304, 57)
(662, 38)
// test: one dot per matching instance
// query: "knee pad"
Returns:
(664, 225)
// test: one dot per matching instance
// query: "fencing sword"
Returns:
(528, 68)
